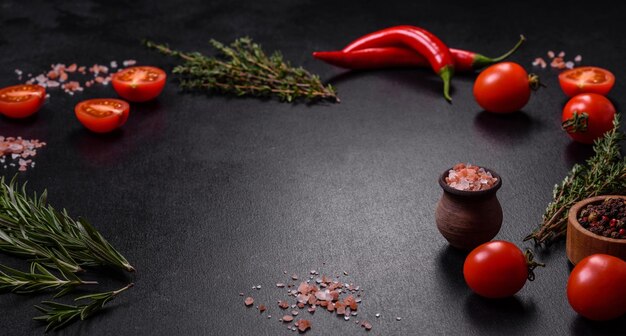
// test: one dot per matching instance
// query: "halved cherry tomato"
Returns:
(498, 269)
(586, 80)
(504, 87)
(587, 116)
(139, 84)
(595, 288)
(21, 101)
(102, 115)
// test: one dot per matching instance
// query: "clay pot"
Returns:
(581, 243)
(468, 218)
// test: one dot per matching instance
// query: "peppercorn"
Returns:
(607, 219)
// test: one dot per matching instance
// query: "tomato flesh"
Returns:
(21, 101)
(586, 80)
(595, 288)
(102, 115)
(502, 88)
(598, 111)
(139, 84)
(496, 269)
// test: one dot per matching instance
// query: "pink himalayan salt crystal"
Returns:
(20, 149)
(470, 178)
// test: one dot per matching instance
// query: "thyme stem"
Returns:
(245, 69)
(603, 173)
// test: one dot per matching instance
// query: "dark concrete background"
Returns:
(210, 195)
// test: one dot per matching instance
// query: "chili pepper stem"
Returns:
(446, 74)
(481, 61)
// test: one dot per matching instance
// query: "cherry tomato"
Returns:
(587, 117)
(102, 115)
(497, 269)
(504, 87)
(586, 80)
(139, 84)
(21, 101)
(595, 288)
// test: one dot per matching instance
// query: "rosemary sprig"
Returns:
(39, 279)
(58, 315)
(244, 69)
(604, 173)
(29, 227)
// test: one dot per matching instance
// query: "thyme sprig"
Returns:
(58, 315)
(39, 279)
(30, 227)
(604, 173)
(245, 69)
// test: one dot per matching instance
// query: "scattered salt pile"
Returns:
(18, 152)
(73, 78)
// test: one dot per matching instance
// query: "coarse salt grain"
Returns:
(19, 149)
(467, 177)
(326, 294)
(557, 61)
(60, 74)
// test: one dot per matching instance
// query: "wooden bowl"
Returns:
(582, 243)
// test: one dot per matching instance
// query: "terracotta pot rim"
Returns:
(572, 217)
(466, 193)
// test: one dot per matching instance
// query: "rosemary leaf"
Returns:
(31, 228)
(244, 69)
(58, 315)
(39, 279)
(604, 173)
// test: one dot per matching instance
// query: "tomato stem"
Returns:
(577, 123)
(532, 264)
(534, 82)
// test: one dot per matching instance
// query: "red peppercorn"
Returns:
(613, 222)
(622, 232)
(605, 218)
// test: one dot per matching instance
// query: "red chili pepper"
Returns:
(373, 58)
(390, 57)
(421, 41)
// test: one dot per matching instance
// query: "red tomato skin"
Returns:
(595, 288)
(23, 109)
(495, 269)
(601, 114)
(141, 92)
(502, 88)
(102, 125)
(571, 89)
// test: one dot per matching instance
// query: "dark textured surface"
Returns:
(208, 196)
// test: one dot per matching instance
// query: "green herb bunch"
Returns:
(244, 69)
(604, 173)
(54, 242)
